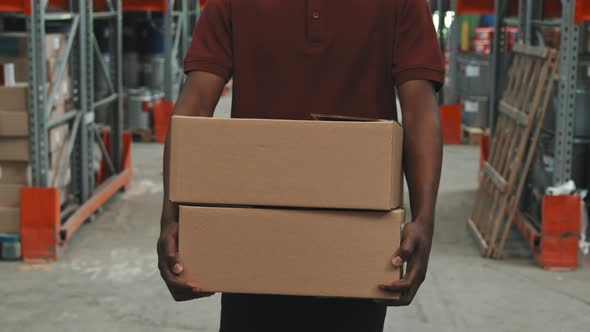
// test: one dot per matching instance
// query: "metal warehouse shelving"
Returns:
(179, 18)
(570, 17)
(48, 221)
(529, 14)
(44, 226)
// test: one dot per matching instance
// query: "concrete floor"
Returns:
(107, 279)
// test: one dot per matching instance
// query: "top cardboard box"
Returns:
(309, 164)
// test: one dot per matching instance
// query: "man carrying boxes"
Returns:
(297, 222)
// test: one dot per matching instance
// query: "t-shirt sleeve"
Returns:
(416, 52)
(211, 48)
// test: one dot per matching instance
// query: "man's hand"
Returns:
(415, 250)
(171, 267)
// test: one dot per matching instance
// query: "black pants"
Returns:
(262, 313)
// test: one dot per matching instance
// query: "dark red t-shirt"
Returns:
(290, 59)
(293, 58)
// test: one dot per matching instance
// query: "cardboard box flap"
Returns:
(329, 117)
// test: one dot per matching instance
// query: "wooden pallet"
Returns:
(530, 86)
(472, 135)
(142, 135)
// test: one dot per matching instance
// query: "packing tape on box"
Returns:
(56, 43)
(7, 74)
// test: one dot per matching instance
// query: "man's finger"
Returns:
(170, 248)
(398, 286)
(406, 298)
(404, 252)
(177, 282)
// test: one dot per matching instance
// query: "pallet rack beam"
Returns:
(37, 95)
(176, 35)
(85, 147)
(500, 8)
(454, 37)
(581, 11)
(168, 50)
(525, 14)
(474, 6)
(112, 73)
(442, 9)
(564, 134)
(175, 46)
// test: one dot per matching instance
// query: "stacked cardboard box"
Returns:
(14, 124)
(13, 49)
(310, 208)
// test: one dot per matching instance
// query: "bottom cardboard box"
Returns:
(319, 253)
(9, 220)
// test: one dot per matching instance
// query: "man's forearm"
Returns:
(199, 97)
(422, 148)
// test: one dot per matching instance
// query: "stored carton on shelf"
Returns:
(21, 68)
(14, 124)
(15, 44)
(9, 220)
(10, 195)
(15, 173)
(314, 164)
(321, 253)
(14, 149)
(14, 98)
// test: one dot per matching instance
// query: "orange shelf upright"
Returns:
(451, 123)
(24, 6)
(552, 8)
(484, 7)
(145, 5)
(475, 7)
(582, 11)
